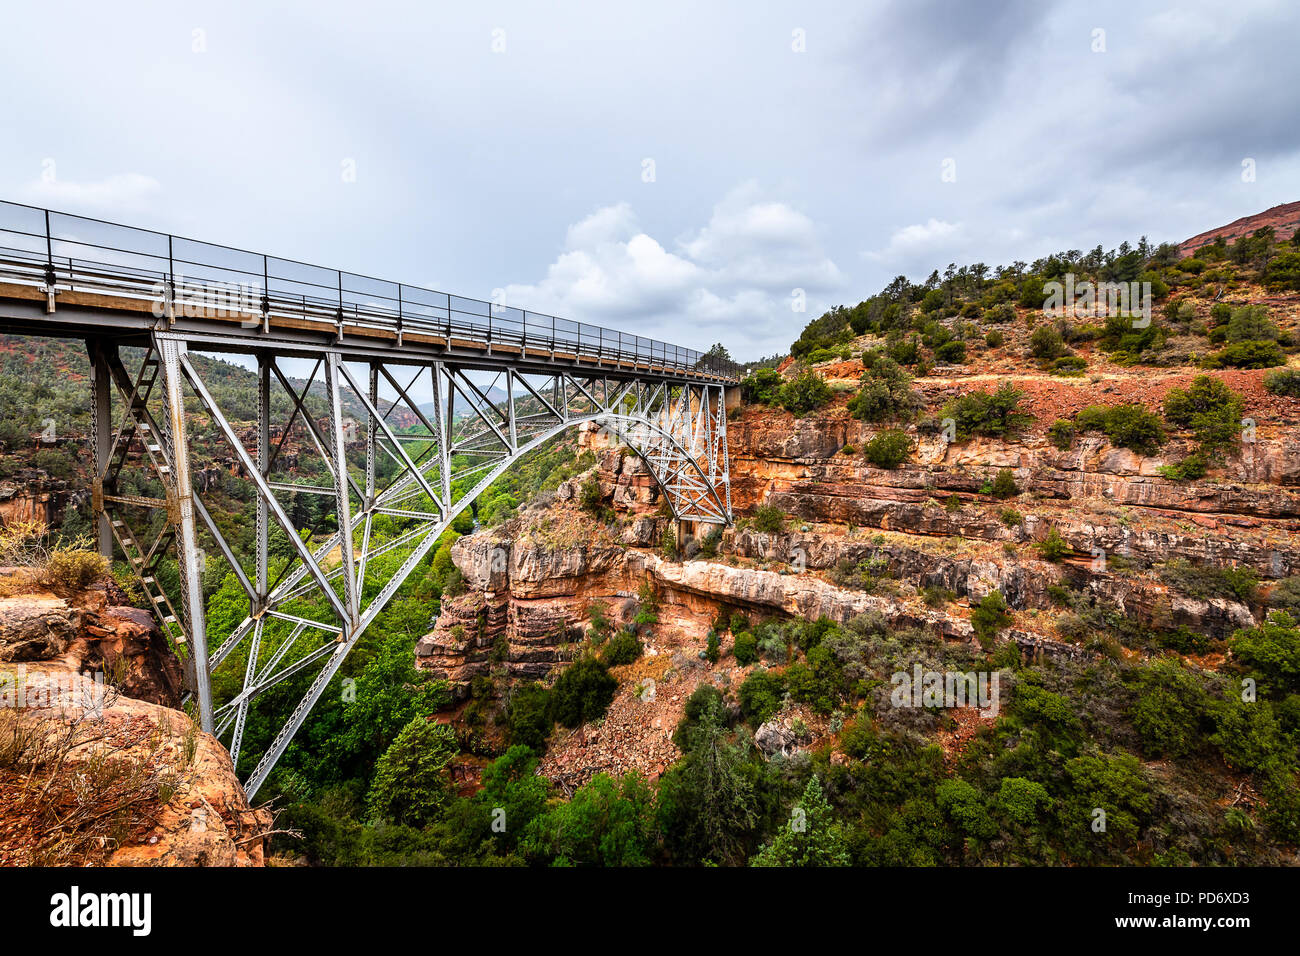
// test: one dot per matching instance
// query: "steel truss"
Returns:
(395, 472)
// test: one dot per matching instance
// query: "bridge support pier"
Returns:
(190, 558)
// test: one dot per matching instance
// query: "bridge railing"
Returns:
(40, 246)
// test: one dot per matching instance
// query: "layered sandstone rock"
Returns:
(186, 805)
(91, 687)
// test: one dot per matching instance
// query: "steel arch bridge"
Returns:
(389, 406)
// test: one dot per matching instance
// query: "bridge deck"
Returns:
(109, 279)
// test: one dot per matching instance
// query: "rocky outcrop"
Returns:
(91, 693)
(171, 787)
(930, 523)
(92, 634)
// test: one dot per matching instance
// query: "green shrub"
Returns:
(1284, 382)
(528, 717)
(1011, 518)
(1191, 468)
(1046, 344)
(713, 648)
(1250, 323)
(1004, 312)
(623, 648)
(582, 693)
(1247, 355)
(1209, 581)
(1286, 596)
(1126, 337)
(994, 339)
(806, 393)
(937, 596)
(889, 448)
(1053, 547)
(1209, 408)
(1004, 485)
(934, 300)
(760, 696)
(769, 519)
(988, 617)
(762, 387)
(953, 352)
(590, 497)
(1069, 365)
(1170, 705)
(1127, 426)
(993, 415)
(1032, 295)
(885, 390)
(1061, 433)
(1271, 652)
(745, 648)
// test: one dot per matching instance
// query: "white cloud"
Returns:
(921, 238)
(123, 191)
(733, 278)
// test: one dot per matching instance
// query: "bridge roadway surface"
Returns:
(72, 276)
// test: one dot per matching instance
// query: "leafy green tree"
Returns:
(582, 693)
(1004, 485)
(990, 616)
(1209, 408)
(813, 837)
(1113, 783)
(1022, 801)
(885, 390)
(529, 716)
(889, 448)
(1032, 294)
(994, 415)
(608, 822)
(1169, 709)
(410, 783)
(964, 806)
(1054, 547)
(762, 387)
(1251, 323)
(513, 794)
(806, 393)
(1271, 652)
(708, 806)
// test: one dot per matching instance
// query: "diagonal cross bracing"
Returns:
(411, 444)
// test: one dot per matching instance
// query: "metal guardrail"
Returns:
(53, 249)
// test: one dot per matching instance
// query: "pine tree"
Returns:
(812, 838)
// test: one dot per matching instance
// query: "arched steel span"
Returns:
(397, 458)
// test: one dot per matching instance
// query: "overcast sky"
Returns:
(672, 168)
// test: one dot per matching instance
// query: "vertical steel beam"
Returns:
(187, 551)
(264, 469)
(444, 432)
(510, 408)
(101, 439)
(339, 452)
